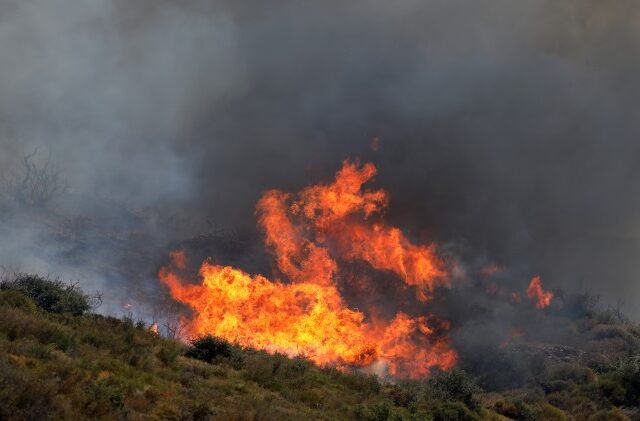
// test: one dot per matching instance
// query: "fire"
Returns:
(312, 235)
(490, 270)
(337, 215)
(535, 292)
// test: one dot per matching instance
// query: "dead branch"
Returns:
(38, 181)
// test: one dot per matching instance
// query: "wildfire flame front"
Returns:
(309, 234)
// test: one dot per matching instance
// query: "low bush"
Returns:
(52, 295)
(551, 413)
(574, 372)
(366, 385)
(450, 411)
(614, 414)
(611, 390)
(516, 410)
(17, 299)
(209, 348)
(379, 412)
(261, 368)
(627, 372)
(454, 385)
(169, 352)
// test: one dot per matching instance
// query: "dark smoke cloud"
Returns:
(509, 127)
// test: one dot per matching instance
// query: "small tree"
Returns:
(53, 295)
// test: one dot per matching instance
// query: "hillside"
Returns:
(58, 360)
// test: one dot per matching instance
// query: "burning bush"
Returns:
(313, 237)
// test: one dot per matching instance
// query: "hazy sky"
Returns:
(510, 127)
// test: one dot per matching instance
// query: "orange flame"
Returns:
(330, 212)
(309, 235)
(535, 292)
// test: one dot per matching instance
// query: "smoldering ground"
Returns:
(508, 129)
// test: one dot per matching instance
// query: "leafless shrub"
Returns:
(174, 329)
(168, 315)
(96, 300)
(37, 182)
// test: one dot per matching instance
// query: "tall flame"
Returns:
(310, 236)
(535, 292)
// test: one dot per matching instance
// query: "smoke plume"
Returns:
(506, 130)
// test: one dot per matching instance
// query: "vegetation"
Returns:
(37, 183)
(53, 295)
(59, 361)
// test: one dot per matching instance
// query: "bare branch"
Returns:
(96, 300)
(38, 183)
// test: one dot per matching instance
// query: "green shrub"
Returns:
(611, 390)
(627, 371)
(209, 348)
(378, 412)
(298, 365)
(551, 413)
(16, 324)
(498, 368)
(260, 368)
(105, 397)
(51, 295)
(25, 396)
(574, 372)
(17, 299)
(453, 411)
(609, 415)
(556, 385)
(202, 412)
(169, 351)
(516, 410)
(382, 410)
(366, 385)
(454, 385)
(403, 395)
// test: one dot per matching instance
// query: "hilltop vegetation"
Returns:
(60, 361)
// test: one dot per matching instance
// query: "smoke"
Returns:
(506, 128)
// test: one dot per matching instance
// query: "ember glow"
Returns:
(311, 236)
(535, 292)
(490, 270)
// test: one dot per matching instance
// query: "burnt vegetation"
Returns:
(59, 360)
(38, 181)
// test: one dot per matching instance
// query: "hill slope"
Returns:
(57, 365)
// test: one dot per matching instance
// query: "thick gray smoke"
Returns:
(509, 127)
